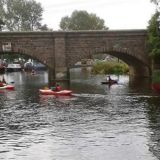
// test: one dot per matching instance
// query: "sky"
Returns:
(117, 14)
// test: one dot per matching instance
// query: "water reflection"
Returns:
(95, 123)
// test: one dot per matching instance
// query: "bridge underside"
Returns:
(137, 68)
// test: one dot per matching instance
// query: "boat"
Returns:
(13, 67)
(7, 86)
(56, 93)
(110, 82)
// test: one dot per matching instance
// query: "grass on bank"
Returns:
(110, 67)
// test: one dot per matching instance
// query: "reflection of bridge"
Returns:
(61, 50)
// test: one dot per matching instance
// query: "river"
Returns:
(98, 122)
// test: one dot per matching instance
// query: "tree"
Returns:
(154, 38)
(21, 15)
(33, 16)
(44, 28)
(156, 1)
(81, 20)
(1, 13)
(1, 24)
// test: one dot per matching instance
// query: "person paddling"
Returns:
(3, 80)
(1, 84)
(55, 87)
(58, 87)
(109, 79)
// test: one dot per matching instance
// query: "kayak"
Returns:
(7, 86)
(110, 82)
(56, 93)
(156, 87)
(10, 87)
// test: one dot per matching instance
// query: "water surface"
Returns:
(98, 122)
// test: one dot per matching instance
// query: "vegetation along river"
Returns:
(120, 122)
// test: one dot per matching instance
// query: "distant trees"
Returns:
(21, 15)
(154, 38)
(82, 20)
(154, 34)
(155, 1)
(1, 24)
(1, 12)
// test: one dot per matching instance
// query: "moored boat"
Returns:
(56, 93)
(13, 67)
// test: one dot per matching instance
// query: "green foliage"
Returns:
(110, 68)
(11, 57)
(81, 20)
(155, 1)
(21, 15)
(1, 24)
(154, 37)
(156, 77)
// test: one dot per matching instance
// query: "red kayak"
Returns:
(7, 86)
(156, 87)
(56, 93)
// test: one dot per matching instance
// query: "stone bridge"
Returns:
(60, 50)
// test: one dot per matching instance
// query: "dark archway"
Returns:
(137, 66)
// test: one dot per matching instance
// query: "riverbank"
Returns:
(110, 67)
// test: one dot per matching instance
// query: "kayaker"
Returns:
(53, 86)
(1, 84)
(3, 80)
(109, 79)
(58, 87)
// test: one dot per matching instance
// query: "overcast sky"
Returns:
(117, 14)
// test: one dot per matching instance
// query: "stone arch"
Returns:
(138, 65)
(21, 52)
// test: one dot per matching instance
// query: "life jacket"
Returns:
(1, 84)
(58, 88)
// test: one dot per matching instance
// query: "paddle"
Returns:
(12, 82)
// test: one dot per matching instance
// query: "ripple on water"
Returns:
(85, 126)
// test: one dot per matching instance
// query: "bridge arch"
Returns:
(138, 65)
(29, 56)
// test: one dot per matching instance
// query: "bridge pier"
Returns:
(60, 71)
(51, 76)
(58, 74)
(62, 74)
(140, 71)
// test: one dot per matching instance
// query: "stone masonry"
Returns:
(59, 50)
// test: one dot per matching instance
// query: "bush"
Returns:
(110, 68)
(156, 77)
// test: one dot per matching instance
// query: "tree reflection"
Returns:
(154, 124)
